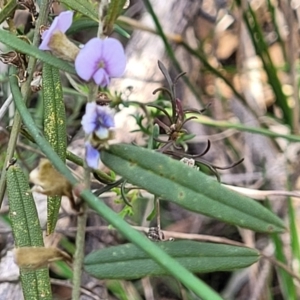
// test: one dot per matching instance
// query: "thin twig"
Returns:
(280, 265)
(167, 234)
(5, 106)
(140, 26)
(262, 195)
(79, 253)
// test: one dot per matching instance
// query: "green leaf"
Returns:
(8, 10)
(84, 7)
(36, 284)
(82, 24)
(19, 45)
(287, 283)
(121, 31)
(91, 22)
(261, 48)
(130, 262)
(114, 9)
(174, 181)
(27, 232)
(23, 214)
(54, 129)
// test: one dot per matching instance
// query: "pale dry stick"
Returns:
(197, 237)
(183, 292)
(5, 106)
(167, 234)
(261, 195)
(248, 237)
(252, 193)
(261, 281)
(148, 291)
(215, 137)
(139, 26)
(157, 203)
(235, 283)
(280, 265)
(31, 149)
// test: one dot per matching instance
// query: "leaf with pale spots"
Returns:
(130, 262)
(27, 232)
(176, 182)
(54, 129)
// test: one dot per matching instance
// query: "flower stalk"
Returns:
(81, 222)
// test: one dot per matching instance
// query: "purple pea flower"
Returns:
(101, 60)
(60, 24)
(97, 119)
(92, 156)
(97, 123)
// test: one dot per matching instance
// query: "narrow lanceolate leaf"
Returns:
(82, 24)
(176, 182)
(54, 129)
(19, 45)
(115, 8)
(84, 7)
(130, 262)
(7, 10)
(27, 232)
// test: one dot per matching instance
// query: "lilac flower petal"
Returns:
(88, 58)
(97, 119)
(114, 57)
(89, 120)
(101, 78)
(96, 123)
(47, 34)
(106, 116)
(92, 156)
(100, 60)
(64, 20)
(61, 23)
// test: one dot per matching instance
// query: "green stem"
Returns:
(79, 253)
(262, 51)
(241, 127)
(81, 220)
(26, 91)
(157, 254)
